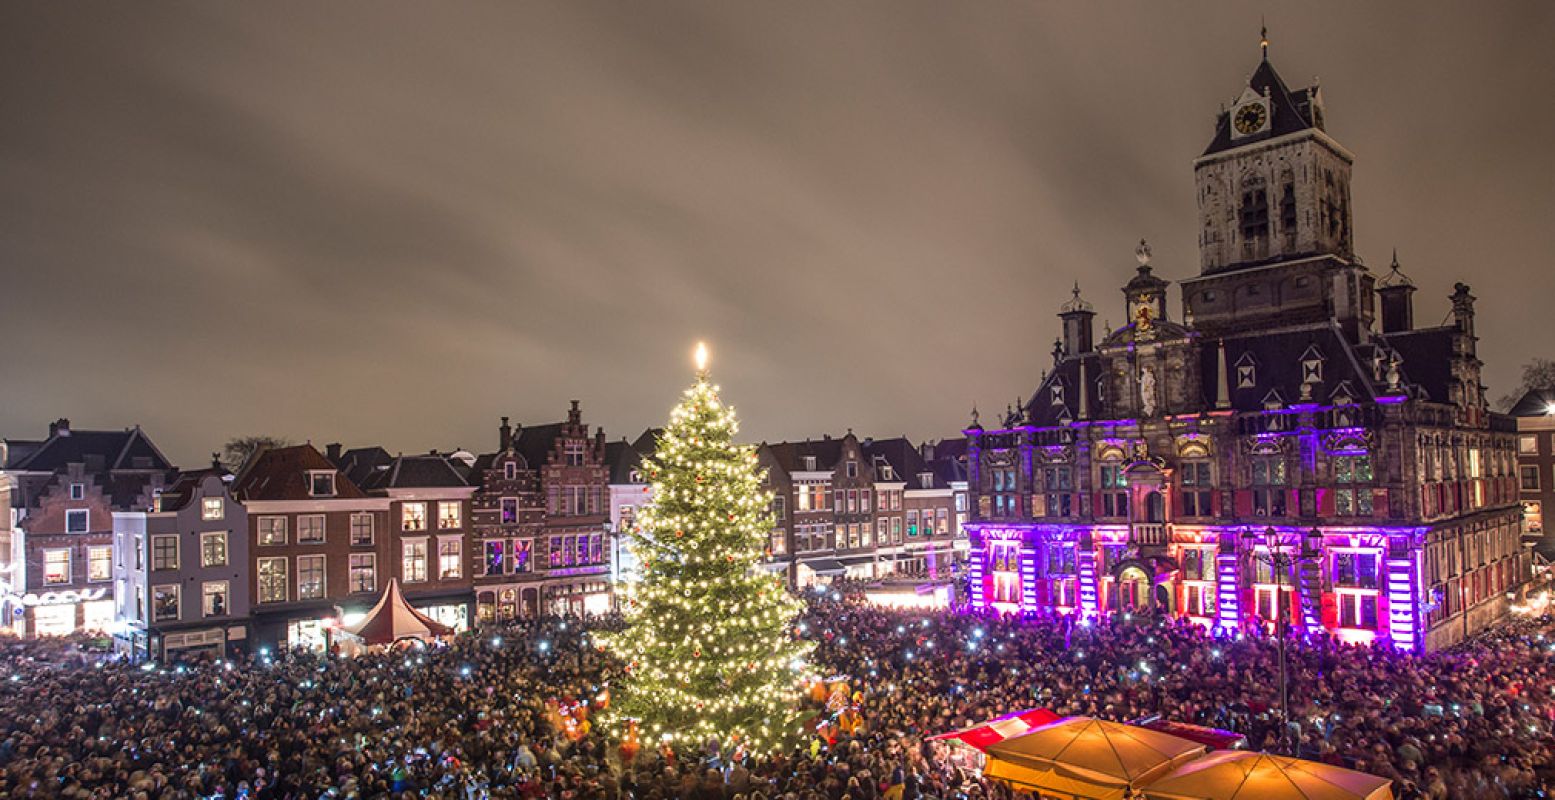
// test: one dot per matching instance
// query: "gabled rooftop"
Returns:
(282, 473)
(428, 471)
(97, 451)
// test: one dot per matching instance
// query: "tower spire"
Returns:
(1263, 37)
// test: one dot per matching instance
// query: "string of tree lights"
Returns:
(710, 651)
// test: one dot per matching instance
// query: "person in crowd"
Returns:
(482, 718)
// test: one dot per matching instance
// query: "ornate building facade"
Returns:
(1282, 450)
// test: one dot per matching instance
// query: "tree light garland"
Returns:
(709, 649)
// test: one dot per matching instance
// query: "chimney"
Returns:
(1398, 306)
(574, 415)
(1079, 323)
(332, 452)
(1462, 310)
(60, 427)
(504, 435)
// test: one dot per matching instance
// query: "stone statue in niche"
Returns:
(1147, 391)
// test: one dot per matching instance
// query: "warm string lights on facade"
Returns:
(710, 651)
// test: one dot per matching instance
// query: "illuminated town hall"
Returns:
(1290, 445)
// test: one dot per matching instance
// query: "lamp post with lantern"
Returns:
(1280, 560)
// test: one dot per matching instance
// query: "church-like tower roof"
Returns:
(1293, 111)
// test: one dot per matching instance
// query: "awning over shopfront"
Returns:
(825, 566)
(857, 561)
(393, 619)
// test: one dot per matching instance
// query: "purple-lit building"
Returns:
(1153, 468)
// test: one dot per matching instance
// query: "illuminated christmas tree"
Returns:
(710, 651)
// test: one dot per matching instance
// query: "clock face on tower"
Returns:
(1250, 118)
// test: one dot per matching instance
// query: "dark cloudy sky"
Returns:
(393, 222)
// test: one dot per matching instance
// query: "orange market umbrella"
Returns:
(1240, 775)
(1081, 757)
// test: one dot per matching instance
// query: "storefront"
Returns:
(858, 568)
(454, 615)
(61, 613)
(308, 634)
(506, 603)
(818, 571)
(587, 598)
(208, 641)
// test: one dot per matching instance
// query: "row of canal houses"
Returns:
(106, 535)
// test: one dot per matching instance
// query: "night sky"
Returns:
(390, 223)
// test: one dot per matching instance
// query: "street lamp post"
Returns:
(1280, 561)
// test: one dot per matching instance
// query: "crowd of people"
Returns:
(479, 717)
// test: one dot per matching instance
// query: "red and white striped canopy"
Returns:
(1000, 728)
(393, 619)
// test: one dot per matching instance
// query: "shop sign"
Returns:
(63, 598)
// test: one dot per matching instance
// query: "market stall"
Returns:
(393, 620)
(1240, 775)
(1080, 758)
(965, 748)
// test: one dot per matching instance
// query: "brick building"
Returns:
(64, 492)
(916, 523)
(431, 549)
(810, 481)
(1155, 469)
(318, 544)
(541, 513)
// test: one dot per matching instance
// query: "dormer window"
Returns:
(321, 483)
(886, 473)
(926, 480)
(1312, 365)
(809, 463)
(1246, 372)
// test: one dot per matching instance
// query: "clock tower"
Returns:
(1275, 232)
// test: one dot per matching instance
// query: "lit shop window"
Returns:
(310, 529)
(272, 580)
(213, 549)
(99, 563)
(214, 598)
(449, 515)
(164, 603)
(310, 577)
(361, 529)
(363, 572)
(56, 567)
(413, 517)
(450, 557)
(413, 565)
